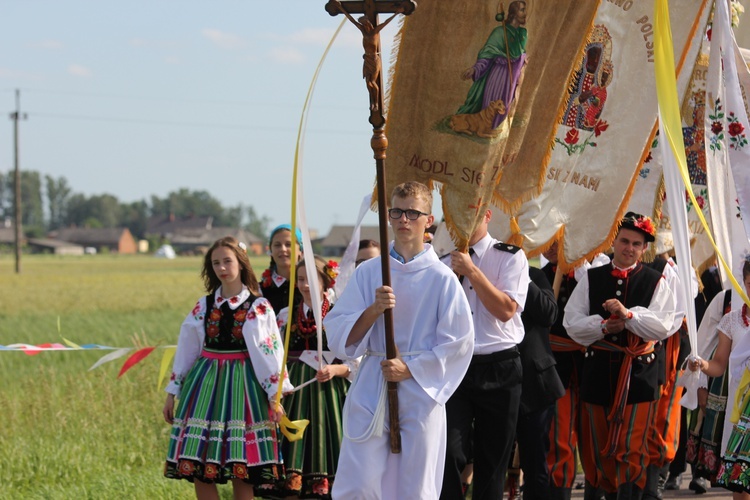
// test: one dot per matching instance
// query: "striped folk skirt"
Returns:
(734, 473)
(221, 428)
(311, 462)
(704, 438)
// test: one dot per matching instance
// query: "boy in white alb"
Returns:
(434, 334)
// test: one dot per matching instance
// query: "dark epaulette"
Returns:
(444, 256)
(505, 247)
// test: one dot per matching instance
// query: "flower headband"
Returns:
(332, 270)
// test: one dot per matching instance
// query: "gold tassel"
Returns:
(516, 238)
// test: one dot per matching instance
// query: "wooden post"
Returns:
(370, 27)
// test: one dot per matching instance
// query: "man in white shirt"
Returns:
(618, 312)
(484, 409)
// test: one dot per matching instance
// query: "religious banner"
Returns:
(477, 91)
(649, 196)
(606, 131)
(727, 149)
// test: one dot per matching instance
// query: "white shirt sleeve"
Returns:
(649, 323)
(265, 347)
(189, 345)
(582, 327)
(655, 321)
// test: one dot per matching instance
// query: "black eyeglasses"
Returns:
(396, 213)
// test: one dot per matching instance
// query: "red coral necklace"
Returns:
(306, 326)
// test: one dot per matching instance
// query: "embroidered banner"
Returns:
(727, 149)
(649, 196)
(476, 94)
(606, 131)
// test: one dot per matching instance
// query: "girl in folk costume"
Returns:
(704, 447)
(311, 462)
(275, 280)
(226, 373)
(734, 349)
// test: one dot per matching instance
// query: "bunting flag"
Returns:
(607, 130)
(727, 148)
(116, 353)
(475, 98)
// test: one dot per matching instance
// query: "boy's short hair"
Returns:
(414, 189)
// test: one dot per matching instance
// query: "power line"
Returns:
(141, 121)
(276, 105)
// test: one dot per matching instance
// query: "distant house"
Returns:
(199, 240)
(115, 240)
(56, 247)
(338, 238)
(166, 226)
(197, 234)
(8, 236)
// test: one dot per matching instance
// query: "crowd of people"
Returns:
(491, 365)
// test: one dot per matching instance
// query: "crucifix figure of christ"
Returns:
(370, 27)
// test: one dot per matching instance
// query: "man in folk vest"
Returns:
(618, 312)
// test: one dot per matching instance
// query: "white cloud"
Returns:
(174, 60)
(48, 45)
(288, 55)
(228, 41)
(79, 70)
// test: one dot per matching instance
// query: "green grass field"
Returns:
(72, 433)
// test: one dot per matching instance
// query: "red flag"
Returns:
(136, 358)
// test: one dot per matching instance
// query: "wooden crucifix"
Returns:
(372, 72)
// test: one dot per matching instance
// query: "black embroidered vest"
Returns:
(601, 368)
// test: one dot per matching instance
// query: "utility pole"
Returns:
(16, 116)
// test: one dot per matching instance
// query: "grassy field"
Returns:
(72, 433)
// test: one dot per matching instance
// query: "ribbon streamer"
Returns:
(295, 429)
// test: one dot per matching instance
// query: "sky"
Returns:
(142, 98)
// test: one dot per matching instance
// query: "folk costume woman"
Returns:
(226, 373)
(734, 349)
(312, 461)
(704, 447)
(275, 280)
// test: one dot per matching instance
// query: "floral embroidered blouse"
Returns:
(298, 342)
(259, 331)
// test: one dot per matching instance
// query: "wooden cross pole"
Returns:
(372, 71)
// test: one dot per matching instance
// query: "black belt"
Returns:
(510, 353)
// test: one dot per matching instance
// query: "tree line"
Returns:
(49, 203)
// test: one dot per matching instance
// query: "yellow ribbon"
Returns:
(293, 430)
(741, 396)
(666, 93)
(165, 360)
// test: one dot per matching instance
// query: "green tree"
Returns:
(134, 217)
(58, 193)
(258, 225)
(97, 211)
(32, 212)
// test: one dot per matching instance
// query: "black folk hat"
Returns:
(640, 223)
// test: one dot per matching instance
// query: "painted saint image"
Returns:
(588, 92)
(496, 74)
(693, 134)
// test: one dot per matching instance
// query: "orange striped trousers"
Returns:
(563, 438)
(665, 433)
(628, 463)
